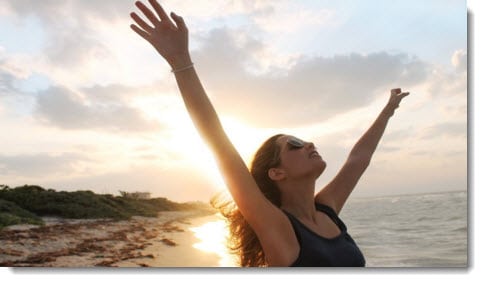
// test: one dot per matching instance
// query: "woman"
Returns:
(277, 220)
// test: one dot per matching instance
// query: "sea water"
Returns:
(426, 230)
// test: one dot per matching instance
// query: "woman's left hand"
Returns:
(396, 96)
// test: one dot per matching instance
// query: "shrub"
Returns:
(11, 214)
(36, 201)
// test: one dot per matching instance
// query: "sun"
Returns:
(187, 142)
(181, 141)
(245, 138)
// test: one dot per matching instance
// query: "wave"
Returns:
(424, 230)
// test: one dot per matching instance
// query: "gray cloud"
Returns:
(118, 93)
(69, 26)
(41, 164)
(452, 154)
(68, 48)
(63, 108)
(451, 129)
(6, 83)
(444, 84)
(7, 78)
(459, 60)
(400, 135)
(313, 89)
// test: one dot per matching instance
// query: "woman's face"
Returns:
(299, 159)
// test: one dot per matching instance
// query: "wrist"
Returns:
(389, 110)
(180, 61)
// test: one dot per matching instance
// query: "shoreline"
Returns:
(162, 241)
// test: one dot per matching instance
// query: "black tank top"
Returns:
(316, 250)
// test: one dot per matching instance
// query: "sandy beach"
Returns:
(165, 241)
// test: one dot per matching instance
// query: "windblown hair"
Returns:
(243, 240)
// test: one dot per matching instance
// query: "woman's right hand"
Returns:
(170, 39)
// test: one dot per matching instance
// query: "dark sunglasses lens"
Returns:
(297, 143)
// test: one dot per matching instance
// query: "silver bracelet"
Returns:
(183, 68)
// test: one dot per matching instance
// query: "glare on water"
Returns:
(213, 237)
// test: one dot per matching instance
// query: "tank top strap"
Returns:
(332, 214)
(297, 225)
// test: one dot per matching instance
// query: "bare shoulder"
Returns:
(278, 239)
(337, 191)
(327, 197)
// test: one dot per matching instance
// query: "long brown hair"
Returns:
(243, 240)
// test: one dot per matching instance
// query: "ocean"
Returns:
(424, 230)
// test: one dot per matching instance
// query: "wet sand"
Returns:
(165, 241)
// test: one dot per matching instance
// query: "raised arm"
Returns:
(337, 191)
(170, 39)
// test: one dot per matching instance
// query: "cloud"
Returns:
(279, 17)
(6, 83)
(459, 60)
(70, 26)
(446, 82)
(74, 46)
(42, 164)
(61, 107)
(83, 42)
(311, 90)
(120, 93)
(288, 17)
(9, 73)
(446, 129)
(75, 30)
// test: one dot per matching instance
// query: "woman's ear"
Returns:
(276, 174)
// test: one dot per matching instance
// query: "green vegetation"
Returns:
(11, 214)
(27, 203)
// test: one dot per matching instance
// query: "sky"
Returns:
(87, 104)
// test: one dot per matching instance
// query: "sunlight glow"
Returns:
(185, 142)
(213, 236)
(244, 137)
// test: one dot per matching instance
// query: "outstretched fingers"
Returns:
(181, 25)
(147, 28)
(154, 25)
(159, 10)
(148, 13)
(162, 14)
(141, 32)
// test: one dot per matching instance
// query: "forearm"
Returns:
(199, 106)
(239, 181)
(367, 144)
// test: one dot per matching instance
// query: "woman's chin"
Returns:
(321, 167)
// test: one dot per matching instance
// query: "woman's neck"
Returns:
(298, 198)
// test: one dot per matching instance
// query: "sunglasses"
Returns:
(295, 143)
